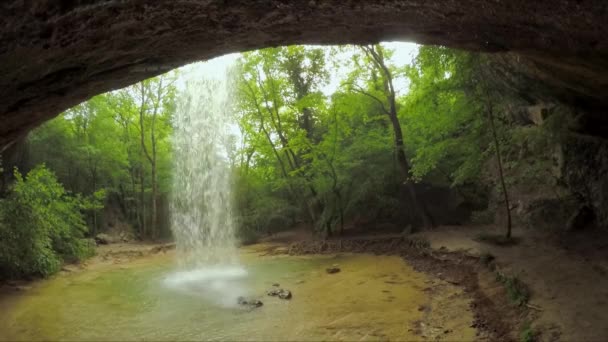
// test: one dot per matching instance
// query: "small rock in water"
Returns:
(273, 292)
(281, 293)
(255, 303)
(276, 284)
(251, 302)
(285, 294)
(332, 270)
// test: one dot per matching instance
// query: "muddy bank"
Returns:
(105, 255)
(496, 318)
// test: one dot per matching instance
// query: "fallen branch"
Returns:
(535, 307)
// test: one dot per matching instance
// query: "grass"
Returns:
(496, 239)
(517, 290)
(527, 334)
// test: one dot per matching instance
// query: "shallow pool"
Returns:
(372, 298)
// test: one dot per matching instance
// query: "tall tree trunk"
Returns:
(389, 89)
(142, 202)
(500, 169)
(154, 213)
(151, 157)
(94, 210)
(137, 203)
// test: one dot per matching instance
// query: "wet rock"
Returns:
(333, 269)
(276, 284)
(281, 293)
(255, 303)
(285, 294)
(273, 292)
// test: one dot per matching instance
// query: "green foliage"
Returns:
(307, 156)
(40, 225)
(98, 149)
(518, 291)
(303, 155)
(527, 334)
(445, 125)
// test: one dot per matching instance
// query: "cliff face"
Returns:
(55, 54)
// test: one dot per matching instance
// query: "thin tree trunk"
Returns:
(142, 202)
(500, 169)
(137, 203)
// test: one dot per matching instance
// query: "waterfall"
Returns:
(201, 210)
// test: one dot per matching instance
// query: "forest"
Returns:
(456, 146)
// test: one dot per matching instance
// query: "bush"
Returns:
(517, 290)
(40, 226)
(527, 333)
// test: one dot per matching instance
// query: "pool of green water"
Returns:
(372, 298)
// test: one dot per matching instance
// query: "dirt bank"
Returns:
(496, 317)
(566, 272)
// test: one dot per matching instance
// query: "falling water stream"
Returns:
(201, 211)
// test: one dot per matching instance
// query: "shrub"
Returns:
(40, 226)
(527, 334)
(517, 290)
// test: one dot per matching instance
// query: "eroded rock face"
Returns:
(55, 54)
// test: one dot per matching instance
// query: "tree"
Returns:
(382, 91)
(278, 96)
(41, 225)
(156, 97)
(452, 108)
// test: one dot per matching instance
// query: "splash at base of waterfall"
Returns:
(220, 284)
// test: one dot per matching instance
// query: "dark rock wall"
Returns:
(55, 54)
(586, 174)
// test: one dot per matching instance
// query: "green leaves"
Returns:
(40, 225)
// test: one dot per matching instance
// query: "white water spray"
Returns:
(201, 210)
